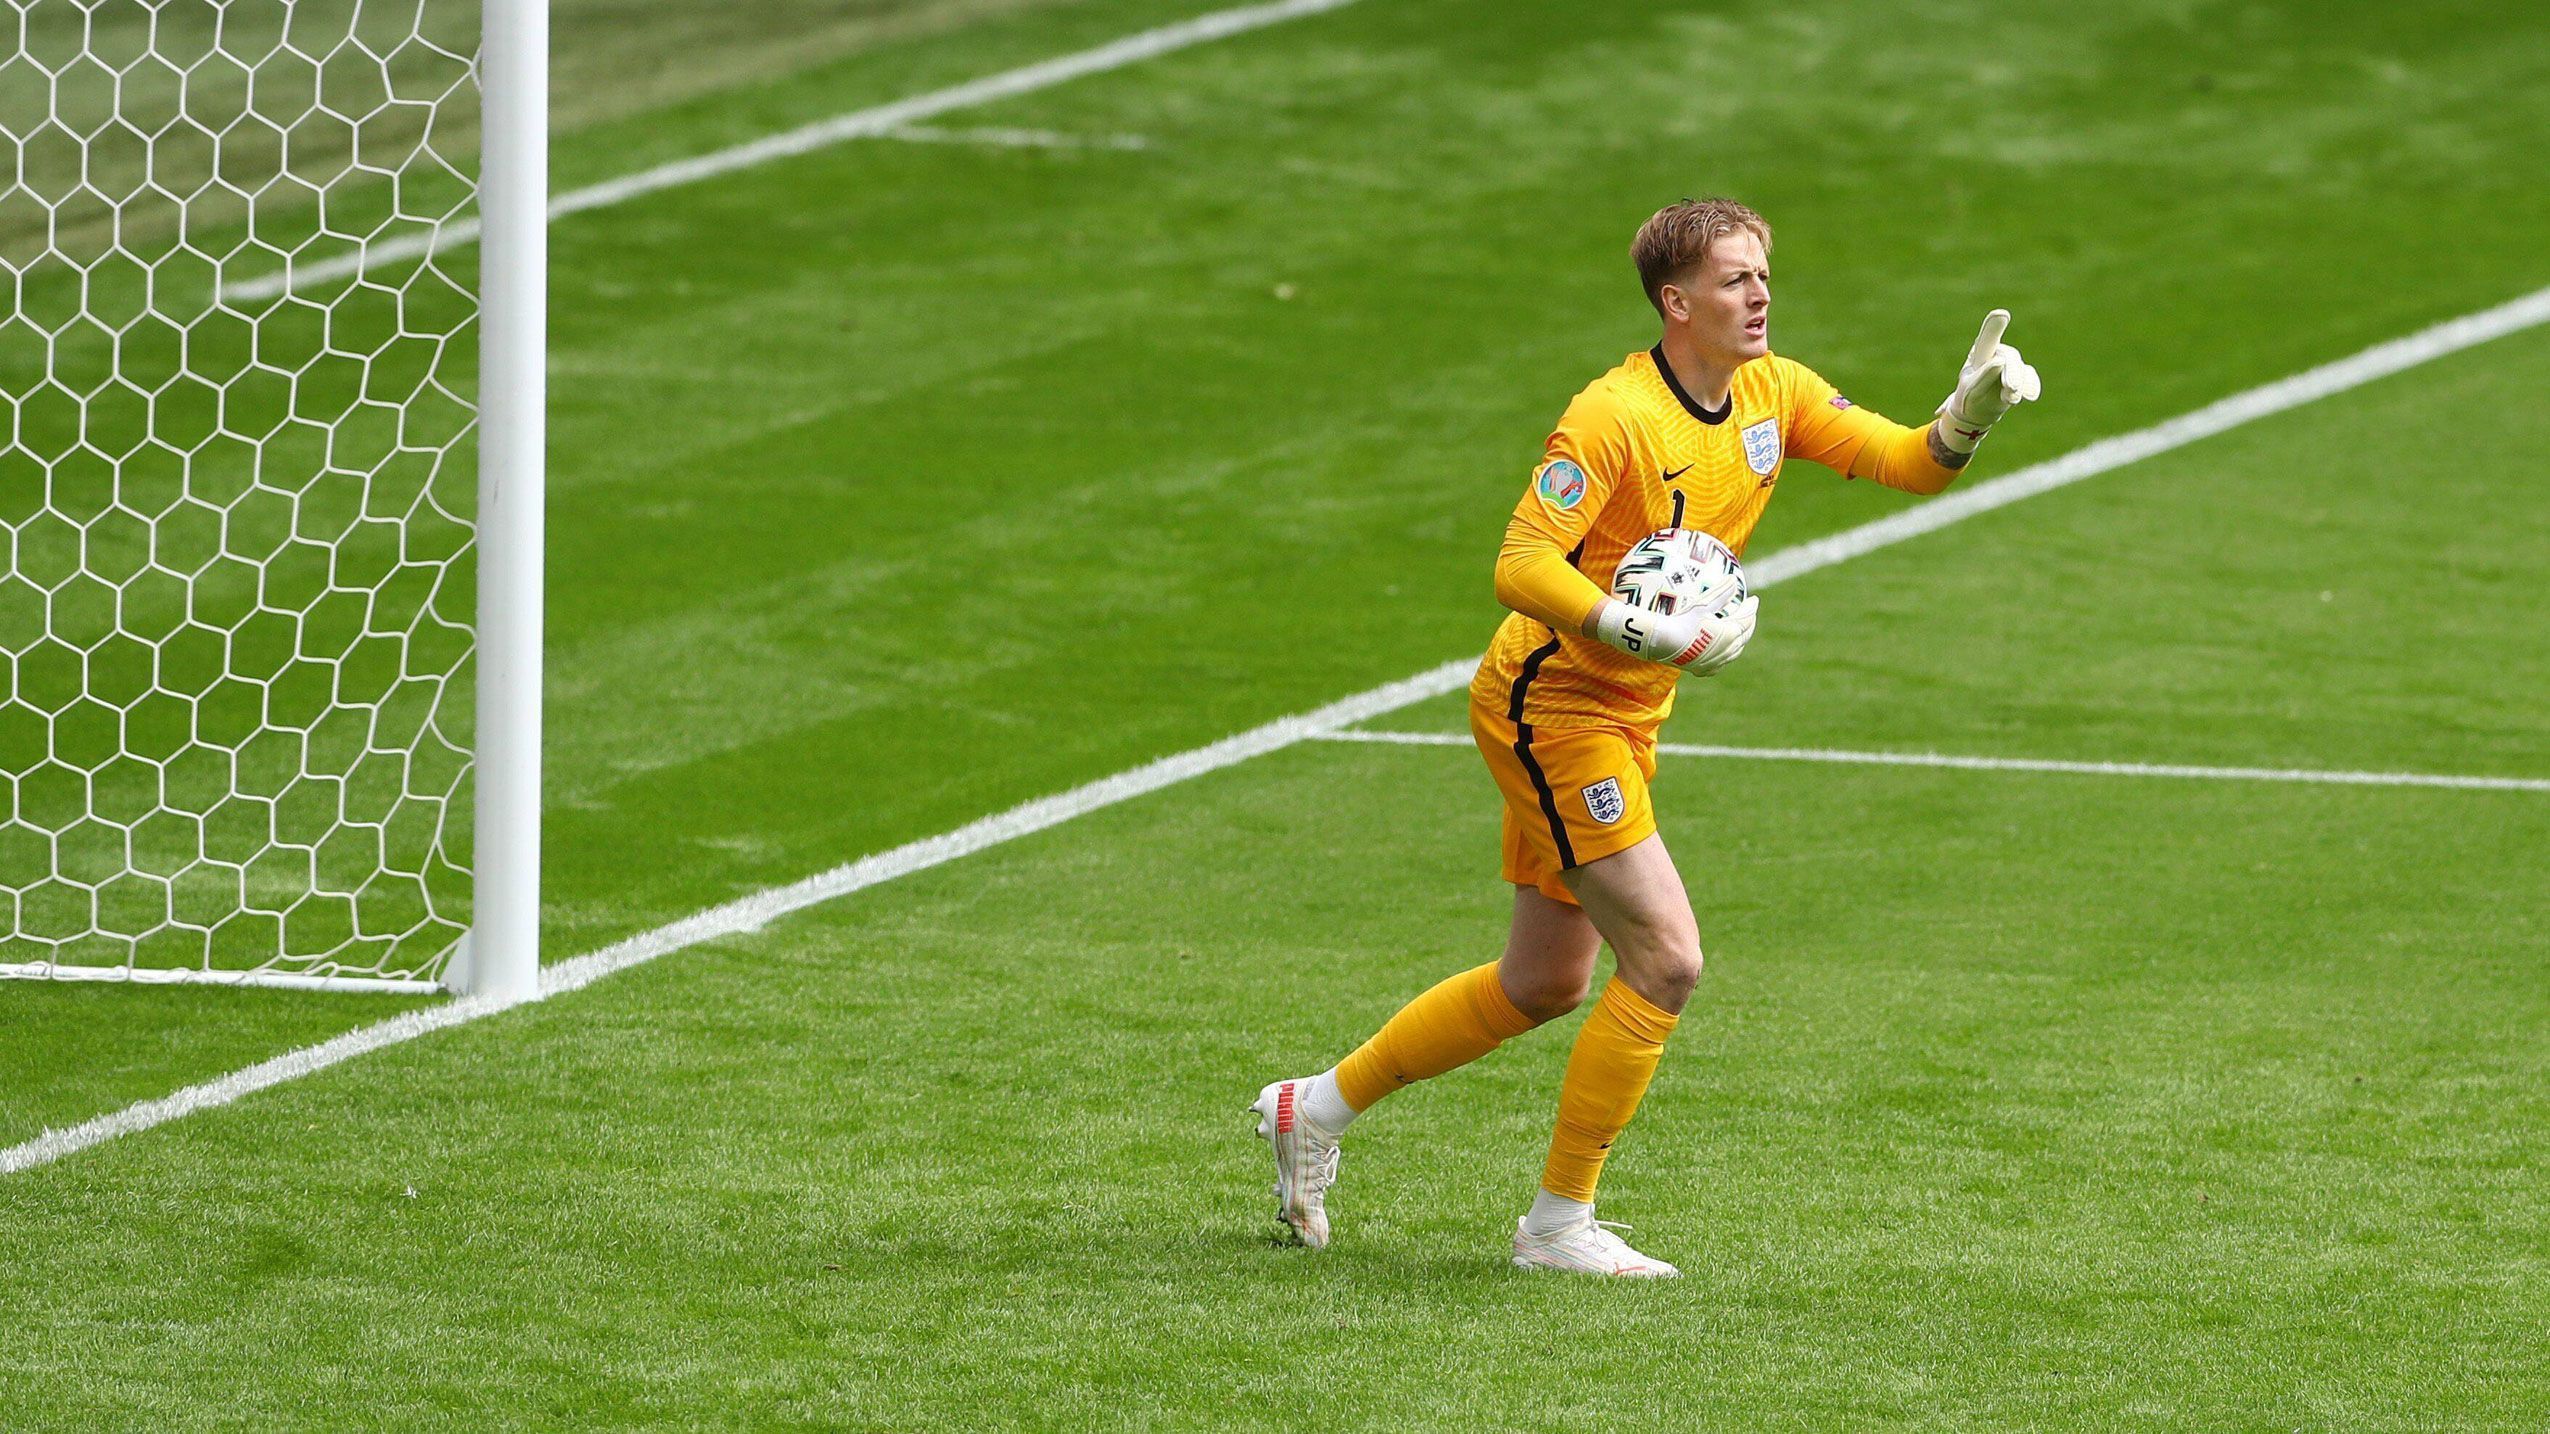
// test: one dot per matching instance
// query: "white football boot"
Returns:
(1305, 1161)
(1587, 1248)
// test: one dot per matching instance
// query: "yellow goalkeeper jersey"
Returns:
(1635, 453)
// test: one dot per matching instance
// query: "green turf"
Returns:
(71, 1052)
(2010, 1100)
(1089, 353)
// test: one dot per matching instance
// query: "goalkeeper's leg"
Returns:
(1547, 966)
(1636, 899)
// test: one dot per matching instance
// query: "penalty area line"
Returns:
(1848, 757)
(751, 913)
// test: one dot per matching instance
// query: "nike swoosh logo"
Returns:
(1673, 473)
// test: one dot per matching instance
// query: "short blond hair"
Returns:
(1679, 235)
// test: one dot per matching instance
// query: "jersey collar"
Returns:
(1664, 371)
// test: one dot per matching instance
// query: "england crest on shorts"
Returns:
(1602, 799)
(1762, 446)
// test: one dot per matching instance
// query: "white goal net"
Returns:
(239, 489)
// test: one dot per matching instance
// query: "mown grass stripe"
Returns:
(872, 122)
(753, 912)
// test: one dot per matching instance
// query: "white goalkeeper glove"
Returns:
(1993, 381)
(1695, 640)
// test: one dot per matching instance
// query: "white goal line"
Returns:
(753, 912)
(873, 122)
(1846, 756)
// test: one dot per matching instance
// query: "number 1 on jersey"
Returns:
(1677, 509)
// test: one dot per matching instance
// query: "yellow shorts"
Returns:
(1572, 794)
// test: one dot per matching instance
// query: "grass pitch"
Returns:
(2009, 1099)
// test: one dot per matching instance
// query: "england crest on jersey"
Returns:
(1603, 801)
(1762, 446)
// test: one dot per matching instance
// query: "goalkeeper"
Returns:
(1689, 434)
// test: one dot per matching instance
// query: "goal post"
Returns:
(504, 946)
(272, 400)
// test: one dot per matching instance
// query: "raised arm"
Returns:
(1828, 429)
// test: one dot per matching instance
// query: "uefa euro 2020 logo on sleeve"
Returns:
(1562, 484)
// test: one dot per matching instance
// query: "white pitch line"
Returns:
(1002, 138)
(2014, 764)
(873, 122)
(52, 1145)
(752, 912)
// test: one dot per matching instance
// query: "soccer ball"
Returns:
(1677, 569)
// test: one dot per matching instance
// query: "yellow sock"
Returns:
(1463, 1018)
(1615, 1057)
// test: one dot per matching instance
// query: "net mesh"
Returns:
(235, 607)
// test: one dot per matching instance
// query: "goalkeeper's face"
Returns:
(1726, 303)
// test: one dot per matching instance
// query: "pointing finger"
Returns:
(1990, 338)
